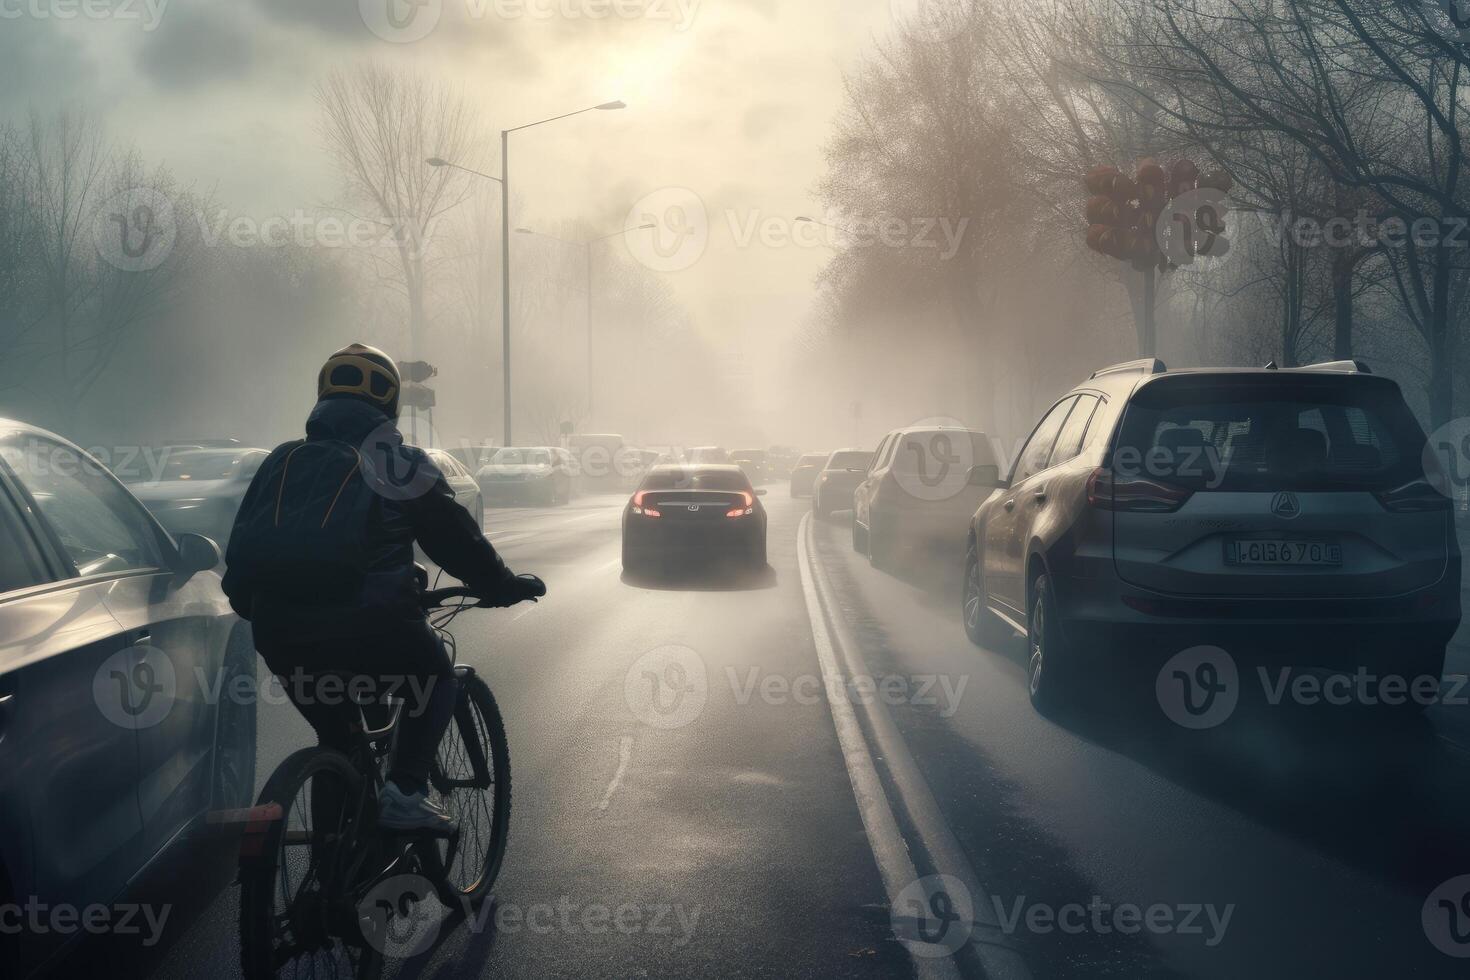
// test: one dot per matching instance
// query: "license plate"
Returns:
(1288, 553)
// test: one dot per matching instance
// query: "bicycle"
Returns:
(312, 853)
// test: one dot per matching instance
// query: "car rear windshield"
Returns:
(696, 480)
(816, 459)
(850, 461)
(1289, 435)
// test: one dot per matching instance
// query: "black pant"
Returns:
(324, 679)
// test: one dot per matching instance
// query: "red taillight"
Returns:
(746, 508)
(1133, 493)
(1414, 497)
(638, 507)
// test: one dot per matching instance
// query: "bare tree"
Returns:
(381, 126)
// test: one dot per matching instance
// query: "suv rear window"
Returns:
(1254, 436)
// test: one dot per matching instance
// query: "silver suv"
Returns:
(1278, 513)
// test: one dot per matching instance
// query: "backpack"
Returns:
(305, 527)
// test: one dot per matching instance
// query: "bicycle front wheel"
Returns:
(471, 780)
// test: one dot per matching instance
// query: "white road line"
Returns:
(625, 752)
(998, 959)
(884, 839)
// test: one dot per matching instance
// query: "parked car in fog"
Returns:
(804, 473)
(840, 475)
(111, 754)
(199, 491)
(466, 489)
(753, 462)
(472, 457)
(701, 513)
(531, 474)
(918, 494)
(1283, 514)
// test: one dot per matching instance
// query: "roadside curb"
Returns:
(841, 657)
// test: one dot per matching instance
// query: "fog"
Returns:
(812, 222)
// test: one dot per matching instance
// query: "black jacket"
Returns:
(390, 596)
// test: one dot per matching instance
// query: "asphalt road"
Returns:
(678, 770)
(725, 831)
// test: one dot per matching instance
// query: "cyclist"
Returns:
(342, 596)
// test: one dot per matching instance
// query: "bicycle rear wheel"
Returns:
(471, 779)
(297, 913)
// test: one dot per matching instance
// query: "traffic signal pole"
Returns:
(1155, 221)
(1150, 340)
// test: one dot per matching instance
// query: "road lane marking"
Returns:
(890, 852)
(918, 803)
(625, 752)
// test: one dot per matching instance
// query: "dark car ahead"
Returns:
(118, 731)
(839, 477)
(754, 462)
(804, 473)
(1276, 513)
(694, 512)
(198, 491)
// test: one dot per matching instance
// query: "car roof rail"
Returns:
(1144, 365)
(1353, 366)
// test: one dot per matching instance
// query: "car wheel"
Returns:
(819, 508)
(233, 783)
(981, 625)
(859, 545)
(1049, 659)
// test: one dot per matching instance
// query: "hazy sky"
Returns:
(729, 99)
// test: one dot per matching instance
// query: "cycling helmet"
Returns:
(362, 372)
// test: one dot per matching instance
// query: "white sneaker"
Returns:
(398, 810)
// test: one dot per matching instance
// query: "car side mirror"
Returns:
(985, 475)
(196, 554)
(760, 491)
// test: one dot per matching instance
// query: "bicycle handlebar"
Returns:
(434, 598)
(437, 597)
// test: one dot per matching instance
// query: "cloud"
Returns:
(39, 66)
(195, 45)
(339, 17)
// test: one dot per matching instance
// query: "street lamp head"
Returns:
(620, 104)
(437, 162)
(647, 227)
(524, 231)
(802, 217)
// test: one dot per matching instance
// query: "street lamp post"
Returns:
(586, 245)
(504, 180)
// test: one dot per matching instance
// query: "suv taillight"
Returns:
(1414, 497)
(1133, 494)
